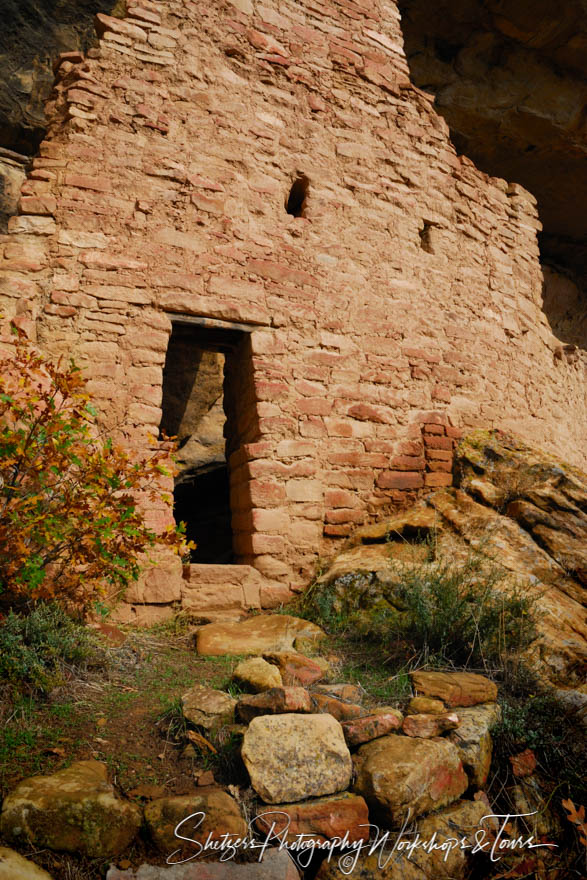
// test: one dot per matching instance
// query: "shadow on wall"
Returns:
(565, 307)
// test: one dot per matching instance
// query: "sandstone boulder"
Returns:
(362, 730)
(296, 668)
(257, 674)
(276, 701)
(323, 818)
(339, 709)
(74, 810)
(14, 867)
(427, 726)
(207, 707)
(218, 814)
(425, 706)
(460, 820)
(275, 865)
(455, 688)
(264, 632)
(398, 773)
(292, 757)
(473, 740)
(352, 693)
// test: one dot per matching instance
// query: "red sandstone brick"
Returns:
(439, 454)
(441, 392)
(85, 181)
(437, 480)
(338, 531)
(408, 463)
(281, 272)
(266, 494)
(438, 466)
(434, 442)
(422, 354)
(344, 515)
(315, 406)
(41, 205)
(432, 418)
(339, 498)
(358, 459)
(366, 412)
(455, 433)
(394, 480)
(433, 429)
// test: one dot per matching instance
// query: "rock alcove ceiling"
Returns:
(511, 81)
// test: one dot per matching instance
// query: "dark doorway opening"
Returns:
(194, 384)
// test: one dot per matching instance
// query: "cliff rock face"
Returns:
(510, 79)
(33, 33)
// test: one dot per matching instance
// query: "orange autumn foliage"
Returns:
(69, 524)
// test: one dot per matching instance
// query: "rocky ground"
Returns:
(284, 725)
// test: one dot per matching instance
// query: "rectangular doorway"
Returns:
(206, 361)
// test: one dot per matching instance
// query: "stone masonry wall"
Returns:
(403, 306)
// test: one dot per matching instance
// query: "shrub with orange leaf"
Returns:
(69, 524)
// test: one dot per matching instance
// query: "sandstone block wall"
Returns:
(403, 305)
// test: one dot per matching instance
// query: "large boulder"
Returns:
(220, 815)
(461, 820)
(292, 757)
(322, 819)
(208, 708)
(455, 688)
(14, 867)
(74, 810)
(400, 775)
(256, 635)
(473, 740)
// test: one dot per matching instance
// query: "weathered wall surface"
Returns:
(404, 305)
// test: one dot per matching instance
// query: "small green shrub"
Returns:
(444, 612)
(37, 648)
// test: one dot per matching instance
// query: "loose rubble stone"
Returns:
(337, 708)
(455, 688)
(292, 757)
(14, 867)
(397, 773)
(264, 632)
(473, 740)
(425, 706)
(462, 819)
(257, 674)
(296, 668)
(426, 726)
(323, 818)
(276, 701)
(275, 865)
(207, 707)
(74, 810)
(221, 815)
(362, 730)
(352, 693)
(524, 763)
